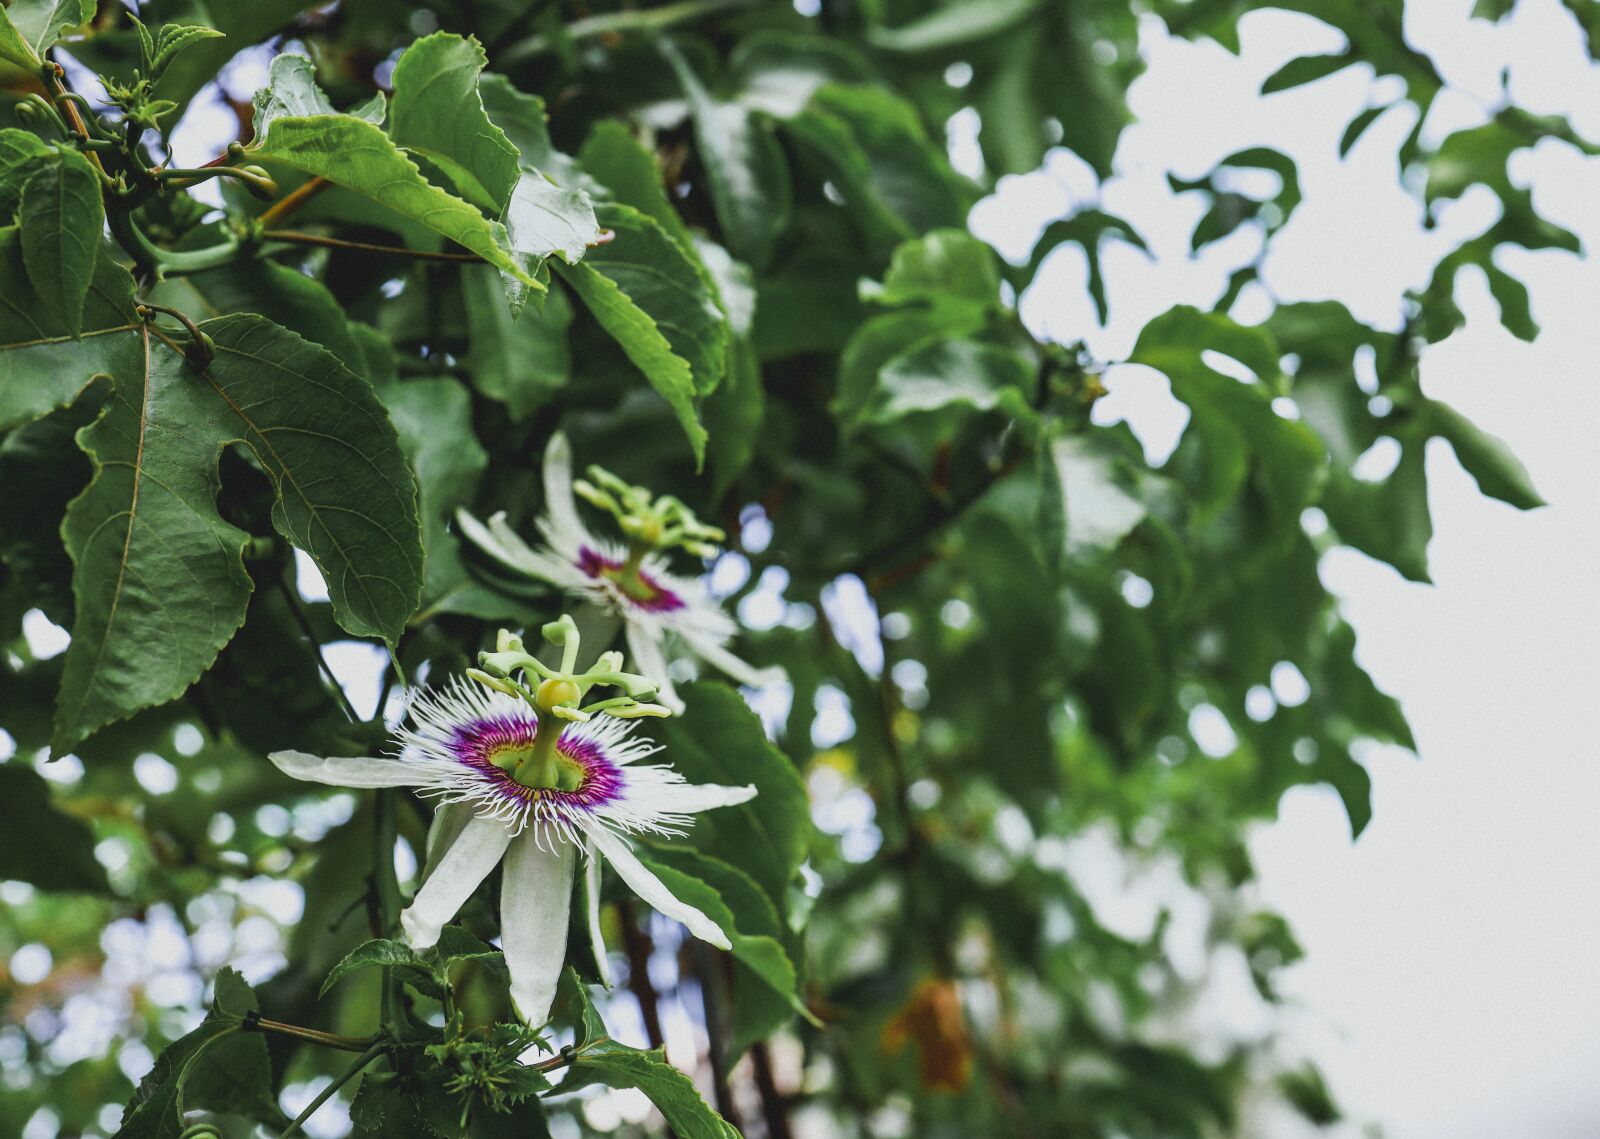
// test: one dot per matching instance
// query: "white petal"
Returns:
(725, 662)
(559, 505)
(692, 798)
(648, 660)
(651, 889)
(535, 897)
(347, 771)
(466, 862)
(449, 820)
(499, 541)
(591, 891)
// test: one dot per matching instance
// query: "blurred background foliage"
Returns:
(1020, 653)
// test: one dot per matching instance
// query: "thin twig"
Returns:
(326, 1093)
(295, 237)
(311, 1035)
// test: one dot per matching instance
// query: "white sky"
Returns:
(1450, 990)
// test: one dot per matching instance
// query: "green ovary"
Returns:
(557, 772)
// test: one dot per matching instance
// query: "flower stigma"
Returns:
(651, 523)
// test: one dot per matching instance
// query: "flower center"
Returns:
(630, 580)
(554, 772)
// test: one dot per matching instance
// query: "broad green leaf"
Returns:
(745, 166)
(673, 1093)
(159, 579)
(383, 953)
(718, 739)
(543, 219)
(30, 28)
(62, 217)
(437, 112)
(949, 373)
(19, 151)
(651, 297)
(953, 25)
(670, 285)
(44, 846)
(643, 343)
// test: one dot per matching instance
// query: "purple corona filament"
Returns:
(639, 587)
(478, 743)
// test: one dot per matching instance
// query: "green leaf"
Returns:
(174, 38)
(62, 217)
(718, 739)
(1099, 511)
(29, 28)
(653, 299)
(43, 846)
(953, 26)
(357, 155)
(1497, 471)
(1306, 69)
(949, 373)
(437, 112)
(644, 344)
(542, 220)
(573, 1006)
(670, 285)
(159, 579)
(673, 1093)
(217, 1067)
(731, 899)
(19, 150)
(384, 953)
(745, 167)
(948, 268)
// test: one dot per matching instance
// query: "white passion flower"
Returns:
(630, 581)
(525, 775)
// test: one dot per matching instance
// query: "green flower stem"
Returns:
(327, 1093)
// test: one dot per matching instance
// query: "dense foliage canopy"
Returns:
(297, 411)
